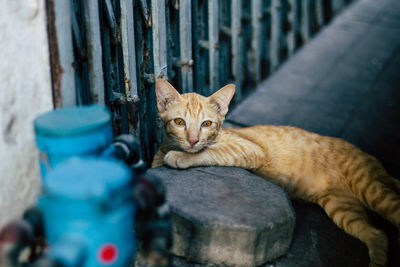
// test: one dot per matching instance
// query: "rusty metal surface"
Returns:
(94, 51)
(185, 41)
(56, 69)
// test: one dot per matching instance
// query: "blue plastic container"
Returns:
(89, 213)
(74, 131)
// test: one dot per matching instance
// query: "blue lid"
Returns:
(72, 120)
(86, 178)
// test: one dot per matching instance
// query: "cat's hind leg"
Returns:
(351, 215)
(380, 196)
(393, 184)
(375, 188)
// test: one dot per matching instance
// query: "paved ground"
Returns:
(344, 83)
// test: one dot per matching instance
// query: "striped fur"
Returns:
(331, 172)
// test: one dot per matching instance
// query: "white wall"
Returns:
(25, 92)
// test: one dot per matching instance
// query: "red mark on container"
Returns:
(108, 253)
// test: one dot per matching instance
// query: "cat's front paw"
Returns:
(177, 159)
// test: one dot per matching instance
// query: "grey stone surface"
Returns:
(227, 216)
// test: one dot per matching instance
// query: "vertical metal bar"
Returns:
(145, 12)
(256, 15)
(319, 10)
(225, 44)
(94, 51)
(293, 22)
(76, 31)
(276, 32)
(185, 42)
(200, 52)
(159, 38)
(305, 21)
(80, 55)
(145, 107)
(129, 60)
(111, 19)
(213, 35)
(237, 43)
(128, 48)
(66, 53)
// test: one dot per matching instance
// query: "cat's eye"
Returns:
(179, 121)
(206, 124)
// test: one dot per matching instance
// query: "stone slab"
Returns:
(227, 216)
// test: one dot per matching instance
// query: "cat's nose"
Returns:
(193, 141)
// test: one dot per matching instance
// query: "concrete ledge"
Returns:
(227, 216)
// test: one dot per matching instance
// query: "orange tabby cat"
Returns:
(328, 171)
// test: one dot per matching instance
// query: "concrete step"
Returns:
(227, 216)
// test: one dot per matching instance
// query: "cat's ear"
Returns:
(166, 94)
(222, 98)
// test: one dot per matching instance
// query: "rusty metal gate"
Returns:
(111, 51)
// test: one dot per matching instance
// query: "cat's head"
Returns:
(192, 121)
